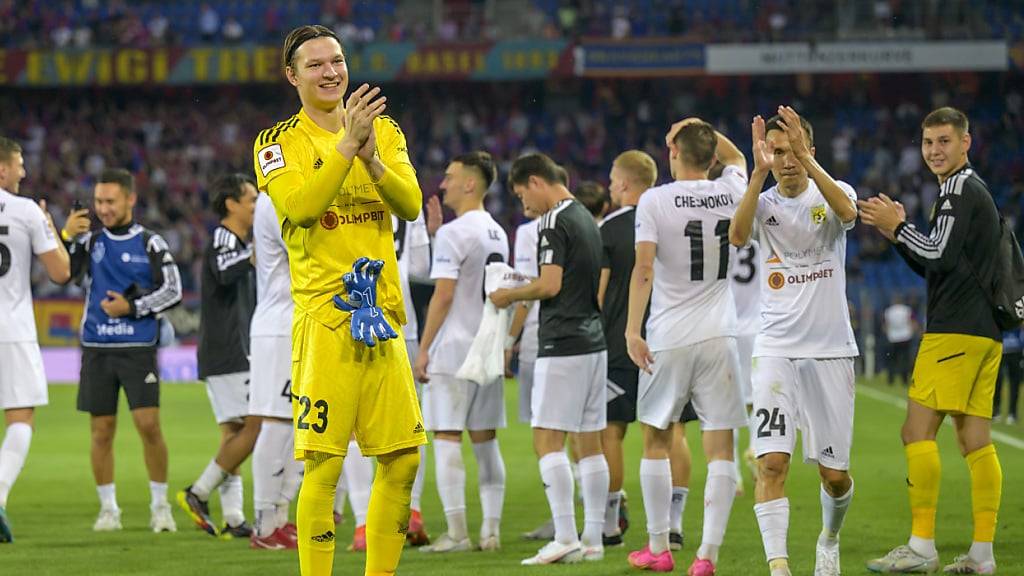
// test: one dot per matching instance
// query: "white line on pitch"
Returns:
(901, 403)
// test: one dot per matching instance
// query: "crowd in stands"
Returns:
(33, 24)
(177, 140)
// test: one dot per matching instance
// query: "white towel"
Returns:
(485, 362)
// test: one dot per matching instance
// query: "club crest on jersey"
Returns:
(98, 252)
(329, 220)
(776, 280)
(818, 214)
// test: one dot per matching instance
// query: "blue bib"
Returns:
(119, 263)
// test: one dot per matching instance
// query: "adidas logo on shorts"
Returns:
(828, 452)
(771, 221)
(150, 378)
(418, 429)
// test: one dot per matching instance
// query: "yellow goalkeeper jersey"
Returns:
(332, 212)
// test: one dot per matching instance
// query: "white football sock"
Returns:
(594, 477)
(773, 519)
(293, 472)
(268, 471)
(491, 479)
(231, 500)
(656, 487)
(556, 474)
(923, 546)
(675, 514)
(736, 460)
(611, 513)
(417, 485)
(450, 474)
(108, 496)
(157, 494)
(833, 511)
(13, 452)
(981, 552)
(359, 473)
(209, 480)
(719, 493)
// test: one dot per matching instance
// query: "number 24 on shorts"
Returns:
(320, 426)
(774, 421)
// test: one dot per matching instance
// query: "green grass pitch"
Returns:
(54, 503)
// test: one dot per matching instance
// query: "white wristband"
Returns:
(510, 341)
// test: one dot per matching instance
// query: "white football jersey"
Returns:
(274, 306)
(744, 279)
(526, 264)
(462, 249)
(410, 238)
(24, 231)
(804, 313)
(689, 221)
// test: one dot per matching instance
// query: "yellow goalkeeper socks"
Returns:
(315, 515)
(986, 490)
(387, 520)
(923, 473)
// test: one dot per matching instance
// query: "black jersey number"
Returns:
(695, 232)
(492, 257)
(749, 267)
(5, 253)
(400, 238)
(774, 421)
(320, 426)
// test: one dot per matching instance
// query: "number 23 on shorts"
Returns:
(317, 422)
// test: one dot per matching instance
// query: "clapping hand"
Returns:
(762, 153)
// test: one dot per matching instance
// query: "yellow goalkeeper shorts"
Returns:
(341, 387)
(956, 374)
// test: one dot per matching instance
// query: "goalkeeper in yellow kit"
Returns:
(336, 171)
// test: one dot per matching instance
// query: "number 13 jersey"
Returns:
(689, 222)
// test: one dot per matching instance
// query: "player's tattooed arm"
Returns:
(640, 283)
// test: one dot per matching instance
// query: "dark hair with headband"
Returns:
(300, 36)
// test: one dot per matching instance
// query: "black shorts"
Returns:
(689, 414)
(622, 388)
(622, 385)
(105, 371)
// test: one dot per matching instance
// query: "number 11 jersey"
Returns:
(689, 222)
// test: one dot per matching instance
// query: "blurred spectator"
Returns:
(900, 329)
(62, 34)
(233, 31)
(209, 23)
(621, 28)
(1012, 370)
(158, 29)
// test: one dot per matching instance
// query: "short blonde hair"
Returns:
(639, 166)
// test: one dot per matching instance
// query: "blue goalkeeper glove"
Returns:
(368, 324)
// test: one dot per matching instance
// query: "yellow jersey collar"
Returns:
(315, 128)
